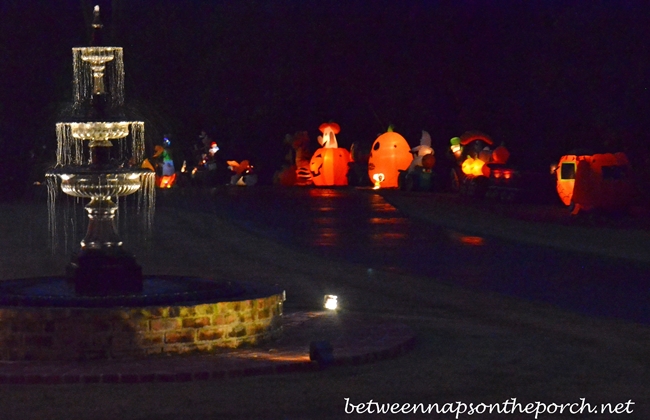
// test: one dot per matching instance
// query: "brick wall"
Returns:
(113, 333)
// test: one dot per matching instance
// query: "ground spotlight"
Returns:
(331, 302)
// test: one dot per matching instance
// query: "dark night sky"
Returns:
(542, 76)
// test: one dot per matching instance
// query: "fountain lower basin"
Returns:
(44, 319)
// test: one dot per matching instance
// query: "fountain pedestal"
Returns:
(101, 273)
(103, 267)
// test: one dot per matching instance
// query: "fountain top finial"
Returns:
(97, 28)
(97, 23)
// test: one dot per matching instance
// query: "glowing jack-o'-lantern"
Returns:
(389, 154)
(329, 164)
(475, 167)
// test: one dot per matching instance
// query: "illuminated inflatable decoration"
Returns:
(474, 167)
(146, 164)
(476, 146)
(300, 144)
(485, 155)
(213, 148)
(428, 162)
(168, 177)
(598, 181)
(377, 179)
(420, 151)
(329, 164)
(244, 175)
(418, 176)
(500, 155)
(166, 181)
(455, 147)
(471, 136)
(389, 154)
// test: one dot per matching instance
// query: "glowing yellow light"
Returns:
(473, 167)
(378, 179)
(331, 302)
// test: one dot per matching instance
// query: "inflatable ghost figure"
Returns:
(420, 151)
(328, 139)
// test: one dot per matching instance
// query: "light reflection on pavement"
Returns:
(362, 228)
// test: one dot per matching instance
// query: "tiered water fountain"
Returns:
(104, 307)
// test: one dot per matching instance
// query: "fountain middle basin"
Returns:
(44, 319)
(88, 183)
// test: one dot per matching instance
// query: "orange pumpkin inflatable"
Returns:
(389, 154)
(329, 164)
(475, 167)
(500, 155)
(595, 181)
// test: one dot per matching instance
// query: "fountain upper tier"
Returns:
(98, 71)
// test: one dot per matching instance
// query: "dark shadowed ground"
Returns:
(472, 347)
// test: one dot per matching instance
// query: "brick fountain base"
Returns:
(355, 339)
(41, 320)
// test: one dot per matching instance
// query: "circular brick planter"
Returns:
(82, 333)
